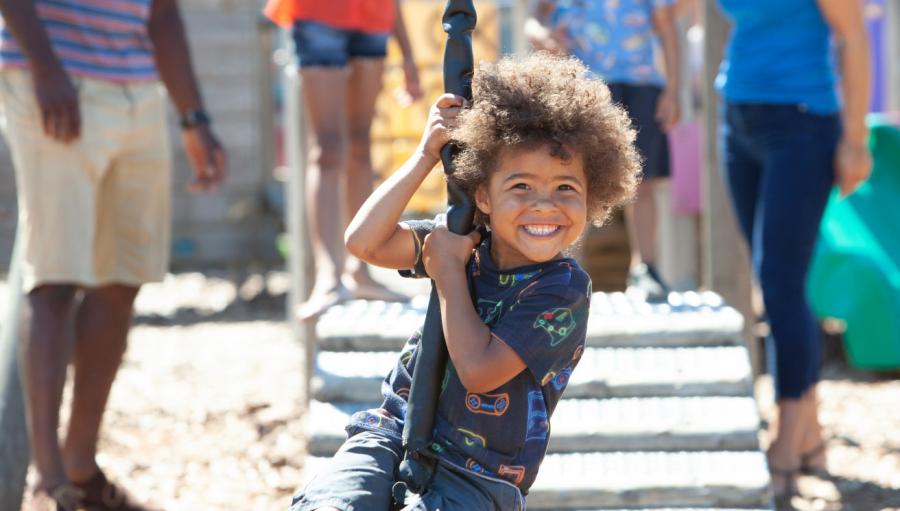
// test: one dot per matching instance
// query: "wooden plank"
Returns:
(222, 242)
(602, 373)
(14, 455)
(726, 263)
(600, 425)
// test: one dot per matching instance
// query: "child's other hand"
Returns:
(445, 252)
(441, 120)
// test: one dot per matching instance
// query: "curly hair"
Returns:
(542, 100)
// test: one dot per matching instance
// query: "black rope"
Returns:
(417, 467)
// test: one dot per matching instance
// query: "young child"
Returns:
(544, 150)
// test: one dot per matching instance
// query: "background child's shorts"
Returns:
(652, 142)
(320, 45)
(362, 473)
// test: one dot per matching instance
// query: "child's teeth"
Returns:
(540, 230)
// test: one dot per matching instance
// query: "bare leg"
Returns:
(640, 218)
(784, 450)
(324, 95)
(363, 87)
(46, 348)
(101, 330)
(813, 443)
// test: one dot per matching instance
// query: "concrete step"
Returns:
(616, 320)
(588, 425)
(643, 479)
(356, 377)
(648, 479)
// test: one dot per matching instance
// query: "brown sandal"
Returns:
(62, 497)
(790, 482)
(806, 459)
(100, 494)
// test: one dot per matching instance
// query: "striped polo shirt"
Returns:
(104, 39)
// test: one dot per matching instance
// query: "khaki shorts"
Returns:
(94, 211)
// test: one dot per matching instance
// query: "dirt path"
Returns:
(860, 413)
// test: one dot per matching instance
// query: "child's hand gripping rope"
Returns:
(441, 119)
(445, 253)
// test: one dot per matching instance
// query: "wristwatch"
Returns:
(193, 119)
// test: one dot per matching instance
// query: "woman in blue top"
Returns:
(787, 137)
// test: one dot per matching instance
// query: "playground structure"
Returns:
(720, 270)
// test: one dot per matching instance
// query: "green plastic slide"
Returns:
(855, 273)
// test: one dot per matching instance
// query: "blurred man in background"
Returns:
(83, 113)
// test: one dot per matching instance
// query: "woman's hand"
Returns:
(444, 252)
(853, 164)
(441, 120)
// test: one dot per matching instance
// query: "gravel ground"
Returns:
(860, 413)
(205, 413)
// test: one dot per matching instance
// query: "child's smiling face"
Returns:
(537, 205)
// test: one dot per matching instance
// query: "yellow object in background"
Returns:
(396, 128)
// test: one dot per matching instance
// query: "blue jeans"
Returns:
(779, 170)
(360, 477)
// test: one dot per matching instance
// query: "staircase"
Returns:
(658, 414)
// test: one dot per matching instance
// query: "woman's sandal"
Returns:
(790, 482)
(63, 497)
(806, 466)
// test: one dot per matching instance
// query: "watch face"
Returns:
(194, 118)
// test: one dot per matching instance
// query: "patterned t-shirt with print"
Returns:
(614, 38)
(541, 312)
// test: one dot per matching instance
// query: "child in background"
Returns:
(543, 151)
(617, 40)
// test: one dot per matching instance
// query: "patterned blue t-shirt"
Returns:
(541, 312)
(614, 38)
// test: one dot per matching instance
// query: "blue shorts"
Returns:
(320, 45)
(652, 142)
(362, 473)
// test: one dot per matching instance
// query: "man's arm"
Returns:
(667, 109)
(854, 163)
(173, 62)
(482, 361)
(56, 96)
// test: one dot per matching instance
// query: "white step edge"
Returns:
(690, 319)
(602, 373)
(591, 425)
(714, 479)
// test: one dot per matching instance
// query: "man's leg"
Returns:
(101, 329)
(46, 347)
